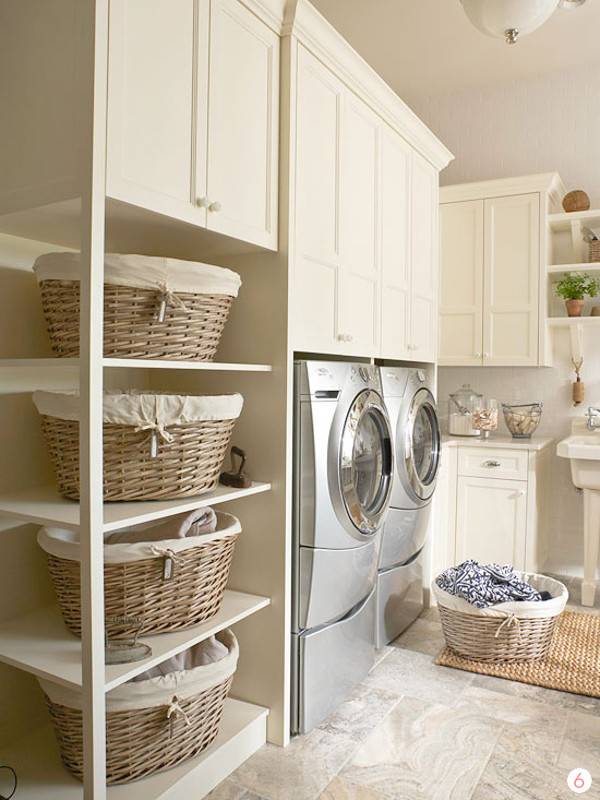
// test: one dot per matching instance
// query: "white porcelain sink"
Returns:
(584, 451)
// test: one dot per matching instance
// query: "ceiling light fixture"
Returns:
(512, 18)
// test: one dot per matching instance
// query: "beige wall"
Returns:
(539, 125)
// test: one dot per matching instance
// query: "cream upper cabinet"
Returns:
(424, 260)
(364, 267)
(395, 245)
(243, 125)
(359, 185)
(151, 103)
(491, 521)
(511, 280)
(493, 265)
(317, 260)
(193, 114)
(461, 283)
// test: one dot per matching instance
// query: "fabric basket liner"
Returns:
(65, 543)
(144, 272)
(144, 410)
(156, 692)
(527, 609)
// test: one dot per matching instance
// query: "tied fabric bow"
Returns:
(508, 622)
(168, 298)
(173, 711)
(157, 430)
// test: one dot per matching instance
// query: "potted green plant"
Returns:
(574, 288)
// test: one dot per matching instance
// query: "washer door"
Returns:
(365, 462)
(421, 446)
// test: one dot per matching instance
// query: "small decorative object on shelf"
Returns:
(461, 407)
(594, 247)
(237, 477)
(485, 417)
(522, 419)
(595, 312)
(574, 288)
(8, 782)
(577, 200)
(578, 385)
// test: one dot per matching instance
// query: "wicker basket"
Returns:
(144, 321)
(145, 740)
(180, 585)
(157, 463)
(595, 250)
(507, 632)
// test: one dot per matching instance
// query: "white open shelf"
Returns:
(131, 363)
(44, 505)
(563, 269)
(567, 322)
(563, 220)
(40, 643)
(43, 777)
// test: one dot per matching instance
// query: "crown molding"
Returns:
(546, 183)
(303, 22)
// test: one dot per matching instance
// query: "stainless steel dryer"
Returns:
(342, 485)
(412, 411)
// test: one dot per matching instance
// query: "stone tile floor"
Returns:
(415, 731)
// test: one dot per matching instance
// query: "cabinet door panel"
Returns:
(511, 281)
(150, 104)
(359, 281)
(461, 283)
(317, 256)
(242, 125)
(424, 259)
(395, 244)
(491, 521)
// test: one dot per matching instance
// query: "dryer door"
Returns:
(366, 462)
(420, 454)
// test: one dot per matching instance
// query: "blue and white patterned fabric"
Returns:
(484, 585)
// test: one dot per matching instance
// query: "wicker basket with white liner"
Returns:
(156, 445)
(153, 307)
(515, 631)
(150, 586)
(153, 723)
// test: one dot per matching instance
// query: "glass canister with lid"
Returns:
(461, 406)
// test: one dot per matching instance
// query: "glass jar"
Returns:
(461, 406)
(485, 417)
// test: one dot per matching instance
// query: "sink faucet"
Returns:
(593, 418)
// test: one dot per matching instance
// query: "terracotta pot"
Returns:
(574, 307)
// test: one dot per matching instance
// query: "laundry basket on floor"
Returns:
(156, 446)
(516, 631)
(151, 724)
(153, 307)
(149, 587)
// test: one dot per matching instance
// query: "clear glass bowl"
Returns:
(522, 419)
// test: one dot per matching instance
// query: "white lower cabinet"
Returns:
(491, 520)
(491, 504)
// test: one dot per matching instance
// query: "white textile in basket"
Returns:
(144, 272)
(144, 410)
(527, 609)
(64, 544)
(161, 691)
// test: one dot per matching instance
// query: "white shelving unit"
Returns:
(568, 253)
(39, 642)
(42, 776)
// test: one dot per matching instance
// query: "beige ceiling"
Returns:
(429, 46)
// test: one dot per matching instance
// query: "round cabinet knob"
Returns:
(486, 355)
(215, 207)
(477, 355)
(344, 337)
(202, 202)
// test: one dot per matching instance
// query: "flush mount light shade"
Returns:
(508, 18)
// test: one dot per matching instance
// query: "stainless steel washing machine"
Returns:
(343, 467)
(412, 410)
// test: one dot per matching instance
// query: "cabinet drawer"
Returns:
(493, 463)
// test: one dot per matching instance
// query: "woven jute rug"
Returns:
(572, 665)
